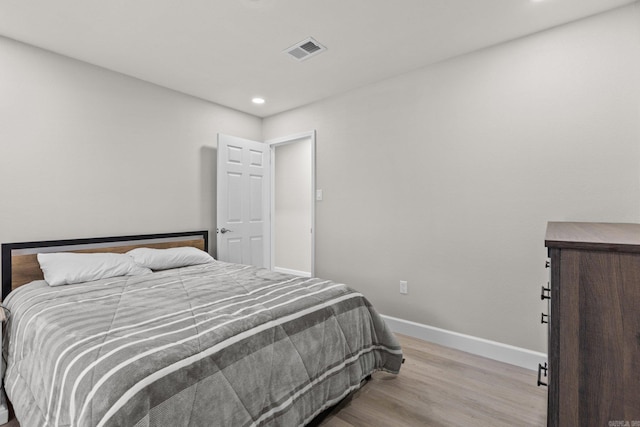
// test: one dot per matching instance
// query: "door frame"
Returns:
(289, 139)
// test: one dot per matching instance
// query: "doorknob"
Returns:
(225, 230)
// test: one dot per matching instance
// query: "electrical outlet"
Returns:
(404, 287)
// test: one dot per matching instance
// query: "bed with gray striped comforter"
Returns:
(211, 345)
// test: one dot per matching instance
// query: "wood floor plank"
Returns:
(440, 386)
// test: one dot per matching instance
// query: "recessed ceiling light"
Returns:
(258, 100)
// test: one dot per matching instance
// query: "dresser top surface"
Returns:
(620, 237)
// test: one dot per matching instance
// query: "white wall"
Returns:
(446, 177)
(88, 152)
(292, 199)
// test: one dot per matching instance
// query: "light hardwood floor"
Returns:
(440, 386)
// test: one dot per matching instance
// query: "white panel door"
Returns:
(243, 201)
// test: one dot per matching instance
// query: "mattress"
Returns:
(217, 344)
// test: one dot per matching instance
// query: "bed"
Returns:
(211, 344)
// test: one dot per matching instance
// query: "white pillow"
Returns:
(163, 259)
(65, 268)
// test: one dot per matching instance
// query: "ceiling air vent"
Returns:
(305, 49)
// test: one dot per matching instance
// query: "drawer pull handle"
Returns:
(547, 264)
(542, 318)
(546, 293)
(540, 369)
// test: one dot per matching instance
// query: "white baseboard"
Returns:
(482, 347)
(290, 271)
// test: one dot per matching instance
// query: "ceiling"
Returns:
(229, 51)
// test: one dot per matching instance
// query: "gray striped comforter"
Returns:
(211, 345)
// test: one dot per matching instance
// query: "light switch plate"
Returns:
(404, 287)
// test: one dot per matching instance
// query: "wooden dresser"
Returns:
(594, 324)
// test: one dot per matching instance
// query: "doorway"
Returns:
(293, 204)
